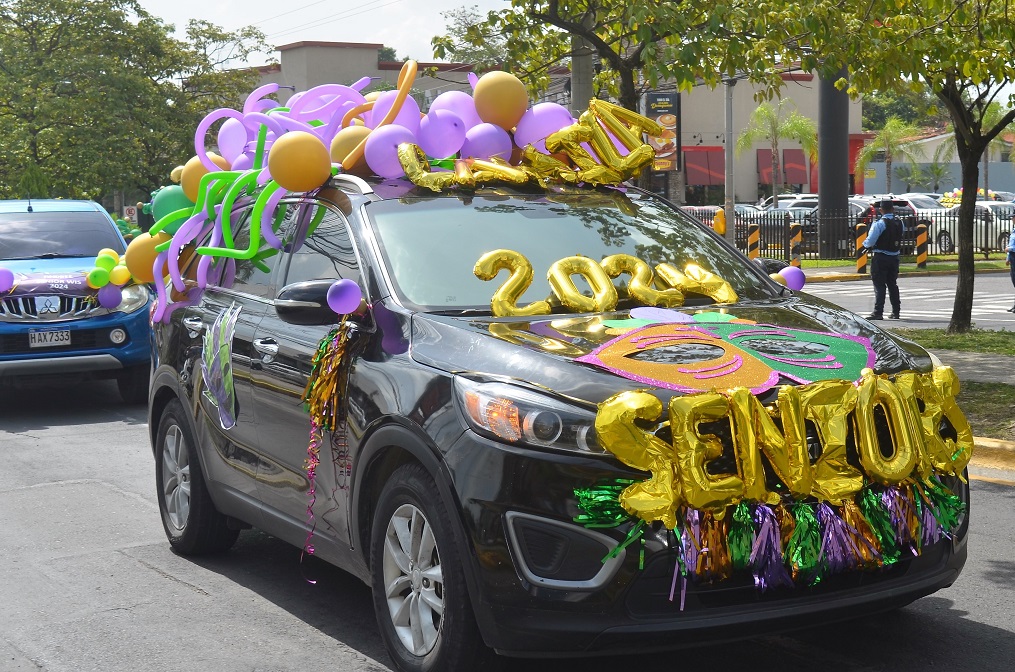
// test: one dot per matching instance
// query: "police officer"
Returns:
(883, 241)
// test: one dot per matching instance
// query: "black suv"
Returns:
(525, 467)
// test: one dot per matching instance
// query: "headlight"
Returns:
(519, 416)
(134, 298)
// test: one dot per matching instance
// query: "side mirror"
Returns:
(306, 303)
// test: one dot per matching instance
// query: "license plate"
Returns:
(46, 339)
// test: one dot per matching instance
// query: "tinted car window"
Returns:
(431, 248)
(324, 250)
(27, 235)
(252, 276)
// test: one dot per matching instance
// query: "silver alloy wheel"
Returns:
(176, 477)
(413, 580)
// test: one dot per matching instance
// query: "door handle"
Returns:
(267, 347)
(194, 325)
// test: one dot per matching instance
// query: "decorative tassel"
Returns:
(840, 542)
(902, 512)
(705, 549)
(323, 396)
(878, 518)
(741, 537)
(804, 548)
(600, 506)
(634, 533)
(947, 508)
(869, 550)
(766, 554)
(930, 531)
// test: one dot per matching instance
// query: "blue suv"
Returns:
(51, 325)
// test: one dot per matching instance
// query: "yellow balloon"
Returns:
(119, 276)
(299, 161)
(501, 99)
(194, 170)
(176, 174)
(344, 143)
(140, 255)
(109, 253)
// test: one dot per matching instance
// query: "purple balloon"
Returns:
(344, 296)
(6, 279)
(794, 277)
(441, 134)
(486, 141)
(381, 150)
(110, 296)
(244, 161)
(407, 117)
(539, 121)
(461, 104)
(232, 139)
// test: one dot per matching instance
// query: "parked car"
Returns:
(703, 213)
(991, 227)
(791, 200)
(502, 468)
(52, 328)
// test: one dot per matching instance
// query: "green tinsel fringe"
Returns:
(600, 504)
(741, 536)
(946, 505)
(880, 521)
(804, 548)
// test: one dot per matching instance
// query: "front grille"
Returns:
(28, 308)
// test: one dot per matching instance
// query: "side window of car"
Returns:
(322, 247)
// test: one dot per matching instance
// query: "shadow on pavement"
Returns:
(26, 408)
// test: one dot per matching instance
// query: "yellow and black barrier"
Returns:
(921, 245)
(753, 240)
(861, 251)
(796, 240)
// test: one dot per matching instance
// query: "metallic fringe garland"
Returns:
(795, 543)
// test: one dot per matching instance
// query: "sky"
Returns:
(404, 25)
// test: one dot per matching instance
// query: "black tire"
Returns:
(192, 523)
(945, 244)
(1002, 242)
(133, 384)
(410, 511)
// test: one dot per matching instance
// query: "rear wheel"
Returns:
(133, 384)
(1002, 242)
(945, 244)
(192, 523)
(420, 596)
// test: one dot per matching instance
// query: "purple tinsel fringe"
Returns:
(930, 529)
(840, 541)
(900, 510)
(690, 539)
(766, 555)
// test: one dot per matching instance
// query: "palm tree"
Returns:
(895, 142)
(991, 116)
(938, 169)
(774, 123)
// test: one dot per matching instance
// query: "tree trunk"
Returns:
(888, 174)
(962, 309)
(777, 185)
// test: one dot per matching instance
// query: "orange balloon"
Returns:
(140, 255)
(194, 170)
(299, 161)
(344, 143)
(501, 99)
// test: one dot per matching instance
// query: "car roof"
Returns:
(49, 205)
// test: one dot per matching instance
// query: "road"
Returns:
(927, 301)
(88, 581)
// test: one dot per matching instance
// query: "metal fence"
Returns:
(832, 235)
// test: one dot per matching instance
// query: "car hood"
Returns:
(588, 358)
(50, 276)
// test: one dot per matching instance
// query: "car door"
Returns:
(280, 379)
(245, 286)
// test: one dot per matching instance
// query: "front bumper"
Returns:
(543, 588)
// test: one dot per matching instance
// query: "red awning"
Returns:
(705, 166)
(794, 166)
(764, 166)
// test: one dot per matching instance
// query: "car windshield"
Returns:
(925, 203)
(431, 245)
(37, 235)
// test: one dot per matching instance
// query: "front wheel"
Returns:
(192, 523)
(945, 244)
(420, 596)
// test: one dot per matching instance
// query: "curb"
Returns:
(849, 277)
(993, 453)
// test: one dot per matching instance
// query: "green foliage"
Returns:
(894, 144)
(772, 123)
(914, 105)
(387, 54)
(469, 41)
(99, 96)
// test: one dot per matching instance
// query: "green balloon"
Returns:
(169, 200)
(98, 277)
(104, 261)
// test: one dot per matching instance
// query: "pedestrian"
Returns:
(883, 241)
(1009, 261)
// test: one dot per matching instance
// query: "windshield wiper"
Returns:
(49, 255)
(461, 312)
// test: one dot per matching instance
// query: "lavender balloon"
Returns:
(794, 277)
(110, 296)
(441, 134)
(408, 114)
(486, 141)
(344, 296)
(539, 121)
(232, 139)
(6, 279)
(461, 104)
(381, 150)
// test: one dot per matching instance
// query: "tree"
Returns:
(387, 54)
(468, 41)
(913, 104)
(773, 123)
(959, 49)
(912, 176)
(993, 114)
(100, 99)
(894, 142)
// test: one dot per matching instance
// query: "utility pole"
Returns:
(581, 72)
(833, 166)
(728, 204)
